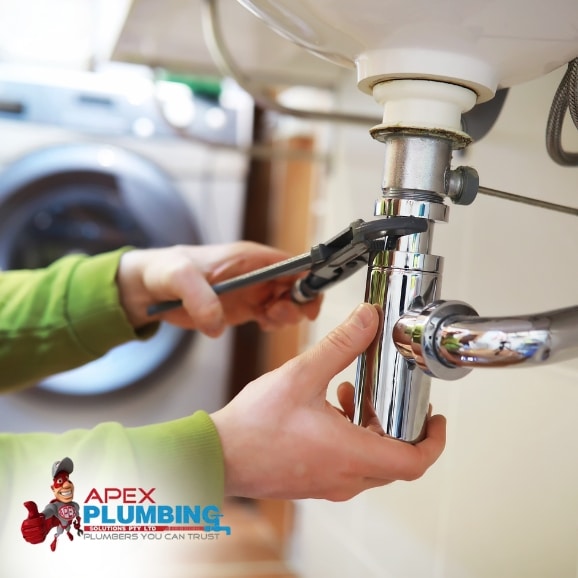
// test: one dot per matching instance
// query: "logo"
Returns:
(133, 513)
(114, 513)
(62, 513)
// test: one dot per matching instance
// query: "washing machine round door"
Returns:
(91, 198)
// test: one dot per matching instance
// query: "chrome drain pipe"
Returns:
(420, 129)
(389, 387)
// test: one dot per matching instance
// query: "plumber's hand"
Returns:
(149, 276)
(282, 439)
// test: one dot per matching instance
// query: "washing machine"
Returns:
(89, 163)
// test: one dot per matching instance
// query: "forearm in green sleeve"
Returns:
(60, 317)
(185, 453)
(182, 459)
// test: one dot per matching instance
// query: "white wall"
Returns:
(502, 502)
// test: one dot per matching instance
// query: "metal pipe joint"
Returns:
(446, 339)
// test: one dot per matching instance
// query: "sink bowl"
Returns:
(480, 45)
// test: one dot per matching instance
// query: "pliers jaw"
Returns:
(350, 250)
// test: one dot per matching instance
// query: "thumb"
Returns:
(32, 509)
(340, 347)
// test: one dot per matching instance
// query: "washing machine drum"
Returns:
(92, 198)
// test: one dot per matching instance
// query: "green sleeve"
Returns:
(181, 458)
(184, 454)
(60, 317)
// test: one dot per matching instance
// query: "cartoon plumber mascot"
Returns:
(61, 513)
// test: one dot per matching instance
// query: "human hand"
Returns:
(149, 276)
(282, 439)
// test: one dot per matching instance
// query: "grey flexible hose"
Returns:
(565, 99)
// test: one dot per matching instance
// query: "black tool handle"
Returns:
(287, 267)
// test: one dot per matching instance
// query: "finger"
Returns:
(346, 397)
(283, 312)
(434, 443)
(345, 394)
(357, 488)
(311, 309)
(200, 301)
(246, 257)
(338, 349)
(423, 454)
(386, 458)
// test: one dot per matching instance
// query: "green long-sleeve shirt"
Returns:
(64, 316)
(60, 317)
